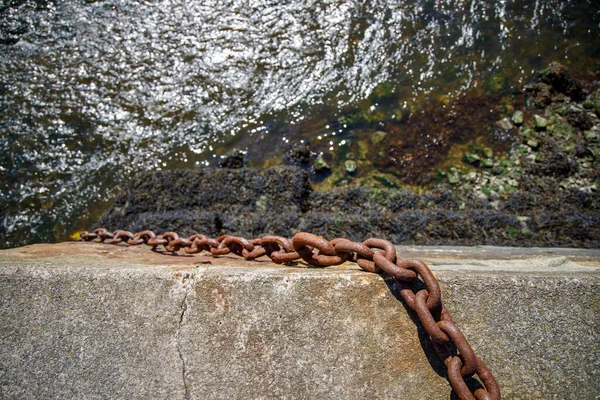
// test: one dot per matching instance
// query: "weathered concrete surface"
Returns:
(80, 320)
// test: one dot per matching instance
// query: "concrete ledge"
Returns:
(81, 320)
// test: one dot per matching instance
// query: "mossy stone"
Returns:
(588, 104)
(533, 143)
(378, 136)
(504, 124)
(321, 165)
(590, 135)
(540, 122)
(471, 158)
(496, 83)
(487, 163)
(523, 149)
(517, 117)
(350, 166)
(528, 133)
(488, 153)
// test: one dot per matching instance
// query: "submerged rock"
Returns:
(579, 119)
(533, 143)
(378, 136)
(472, 158)
(300, 153)
(487, 163)
(321, 165)
(233, 161)
(540, 122)
(517, 117)
(350, 166)
(559, 77)
(488, 152)
(504, 124)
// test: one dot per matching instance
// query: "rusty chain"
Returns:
(448, 341)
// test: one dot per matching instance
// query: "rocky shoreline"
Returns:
(543, 191)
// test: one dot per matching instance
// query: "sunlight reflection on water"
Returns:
(92, 93)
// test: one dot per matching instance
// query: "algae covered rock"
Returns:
(517, 117)
(559, 77)
(350, 166)
(321, 165)
(378, 136)
(540, 122)
(504, 124)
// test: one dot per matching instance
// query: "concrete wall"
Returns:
(81, 320)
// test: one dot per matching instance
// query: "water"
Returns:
(93, 91)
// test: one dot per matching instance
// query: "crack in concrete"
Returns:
(183, 306)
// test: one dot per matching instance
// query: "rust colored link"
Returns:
(167, 238)
(120, 236)
(220, 250)
(258, 251)
(177, 244)
(443, 351)
(220, 238)
(357, 249)
(492, 390)
(318, 260)
(103, 234)
(454, 364)
(193, 248)
(237, 240)
(281, 257)
(87, 236)
(170, 236)
(144, 236)
(141, 237)
(200, 243)
(157, 241)
(197, 236)
(406, 293)
(284, 243)
(233, 244)
(206, 242)
(467, 354)
(434, 301)
(301, 242)
(283, 250)
(388, 249)
(394, 270)
(428, 320)
(303, 239)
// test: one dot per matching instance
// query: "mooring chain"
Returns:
(419, 288)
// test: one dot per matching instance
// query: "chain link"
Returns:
(448, 341)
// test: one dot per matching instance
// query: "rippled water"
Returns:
(92, 92)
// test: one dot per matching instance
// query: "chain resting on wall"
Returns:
(419, 288)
